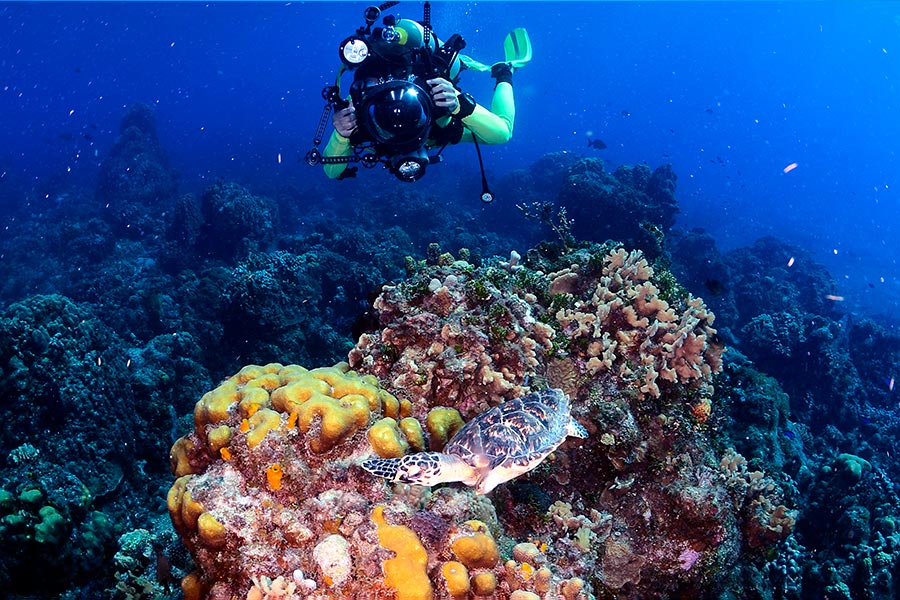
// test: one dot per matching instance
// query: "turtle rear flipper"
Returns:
(575, 429)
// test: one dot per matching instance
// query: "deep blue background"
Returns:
(729, 93)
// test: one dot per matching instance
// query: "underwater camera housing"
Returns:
(394, 109)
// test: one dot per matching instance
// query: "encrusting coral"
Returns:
(272, 502)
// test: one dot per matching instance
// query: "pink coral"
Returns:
(630, 331)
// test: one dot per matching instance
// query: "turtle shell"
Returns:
(517, 434)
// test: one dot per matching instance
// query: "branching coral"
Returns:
(622, 325)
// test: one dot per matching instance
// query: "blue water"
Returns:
(729, 93)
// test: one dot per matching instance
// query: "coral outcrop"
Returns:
(272, 502)
(135, 180)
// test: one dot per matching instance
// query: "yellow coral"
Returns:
(261, 423)
(174, 500)
(211, 531)
(442, 423)
(406, 572)
(338, 419)
(291, 373)
(346, 386)
(190, 510)
(218, 438)
(289, 398)
(456, 578)
(484, 583)
(412, 429)
(214, 406)
(252, 399)
(269, 380)
(191, 587)
(247, 373)
(183, 509)
(390, 406)
(542, 580)
(386, 439)
(178, 457)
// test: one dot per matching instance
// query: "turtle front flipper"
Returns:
(422, 468)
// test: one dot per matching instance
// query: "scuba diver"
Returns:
(404, 102)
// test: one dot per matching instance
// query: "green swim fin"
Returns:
(516, 50)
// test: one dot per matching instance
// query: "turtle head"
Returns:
(422, 468)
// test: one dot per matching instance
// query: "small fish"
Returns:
(789, 434)
(625, 113)
(596, 144)
(709, 111)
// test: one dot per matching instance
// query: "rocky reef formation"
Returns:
(635, 206)
(272, 502)
(136, 185)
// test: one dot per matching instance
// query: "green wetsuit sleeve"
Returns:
(338, 145)
(493, 126)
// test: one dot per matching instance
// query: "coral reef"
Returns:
(270, 497)
(46, 514)
(638, 205)
(235, 222)
(55, 355)
(123, 302)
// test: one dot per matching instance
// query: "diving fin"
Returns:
(473, 64)
(516, 50)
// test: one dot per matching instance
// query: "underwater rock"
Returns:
(635, 206)
(235, 222)
(135, 185)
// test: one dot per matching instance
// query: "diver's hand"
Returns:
(345, 121)
(444, 94)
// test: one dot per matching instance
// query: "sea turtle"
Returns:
(496, 446)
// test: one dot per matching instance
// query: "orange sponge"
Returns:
(406, 571)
